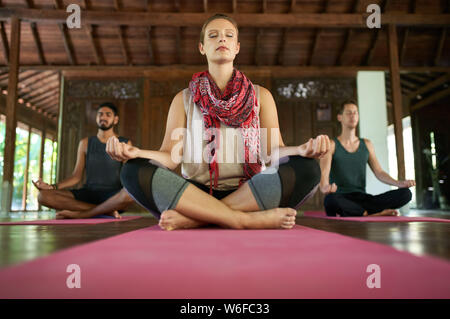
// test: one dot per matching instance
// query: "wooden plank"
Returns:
(185, 19)
(11, 116)
(396, 99)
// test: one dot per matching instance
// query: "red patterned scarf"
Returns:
(235, 107)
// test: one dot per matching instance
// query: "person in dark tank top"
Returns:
(103, 192)
(343, 177)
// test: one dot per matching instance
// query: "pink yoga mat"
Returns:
(320, 214)
(70, 221)
(231, 264)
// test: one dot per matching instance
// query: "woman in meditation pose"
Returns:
(261, 189)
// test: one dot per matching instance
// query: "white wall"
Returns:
(373, 122)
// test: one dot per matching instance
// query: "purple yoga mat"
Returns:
(231, 264)
(70, 221)
(320, 214)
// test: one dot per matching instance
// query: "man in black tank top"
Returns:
(102, 176)
(344, 174)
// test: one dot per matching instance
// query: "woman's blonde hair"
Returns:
(215, 17)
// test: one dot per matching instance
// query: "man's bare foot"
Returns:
(171, 220)
(70, 214)
(271, 219)
(386, 212)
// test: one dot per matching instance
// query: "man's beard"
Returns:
(105, 128)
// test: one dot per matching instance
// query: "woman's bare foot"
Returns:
(171, 220)
(386, 212)
(271, 219)
(267, 219)
(69, 214)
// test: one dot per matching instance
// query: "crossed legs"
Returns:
(180, 204)
(69, 207)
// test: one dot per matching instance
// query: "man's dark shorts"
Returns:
(93, 196)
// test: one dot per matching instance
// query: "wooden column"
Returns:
(11, 121)
(396, 99)
(41, 156)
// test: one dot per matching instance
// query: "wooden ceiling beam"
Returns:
(433, 98)
(440, 46)
(429, 86)
(36, 38)
(178, 30)
(4, 40)
(292, 6)
(67, 43)
(282, 48)
(90, 34)
(257, 52)
(317, 35)
(120, 30)
(347, 37)
(419, 78)
(5, 46)
(200, 67)
(38, 43)
(151, 48)
(185, 19)
(411, 9)
(369, 55)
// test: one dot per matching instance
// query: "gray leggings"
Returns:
(158, 189)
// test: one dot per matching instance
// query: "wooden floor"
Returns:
(20, 243)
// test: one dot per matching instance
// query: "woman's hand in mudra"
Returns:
(315, 147)
(120, 151)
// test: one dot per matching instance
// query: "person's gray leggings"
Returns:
(158, 189)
